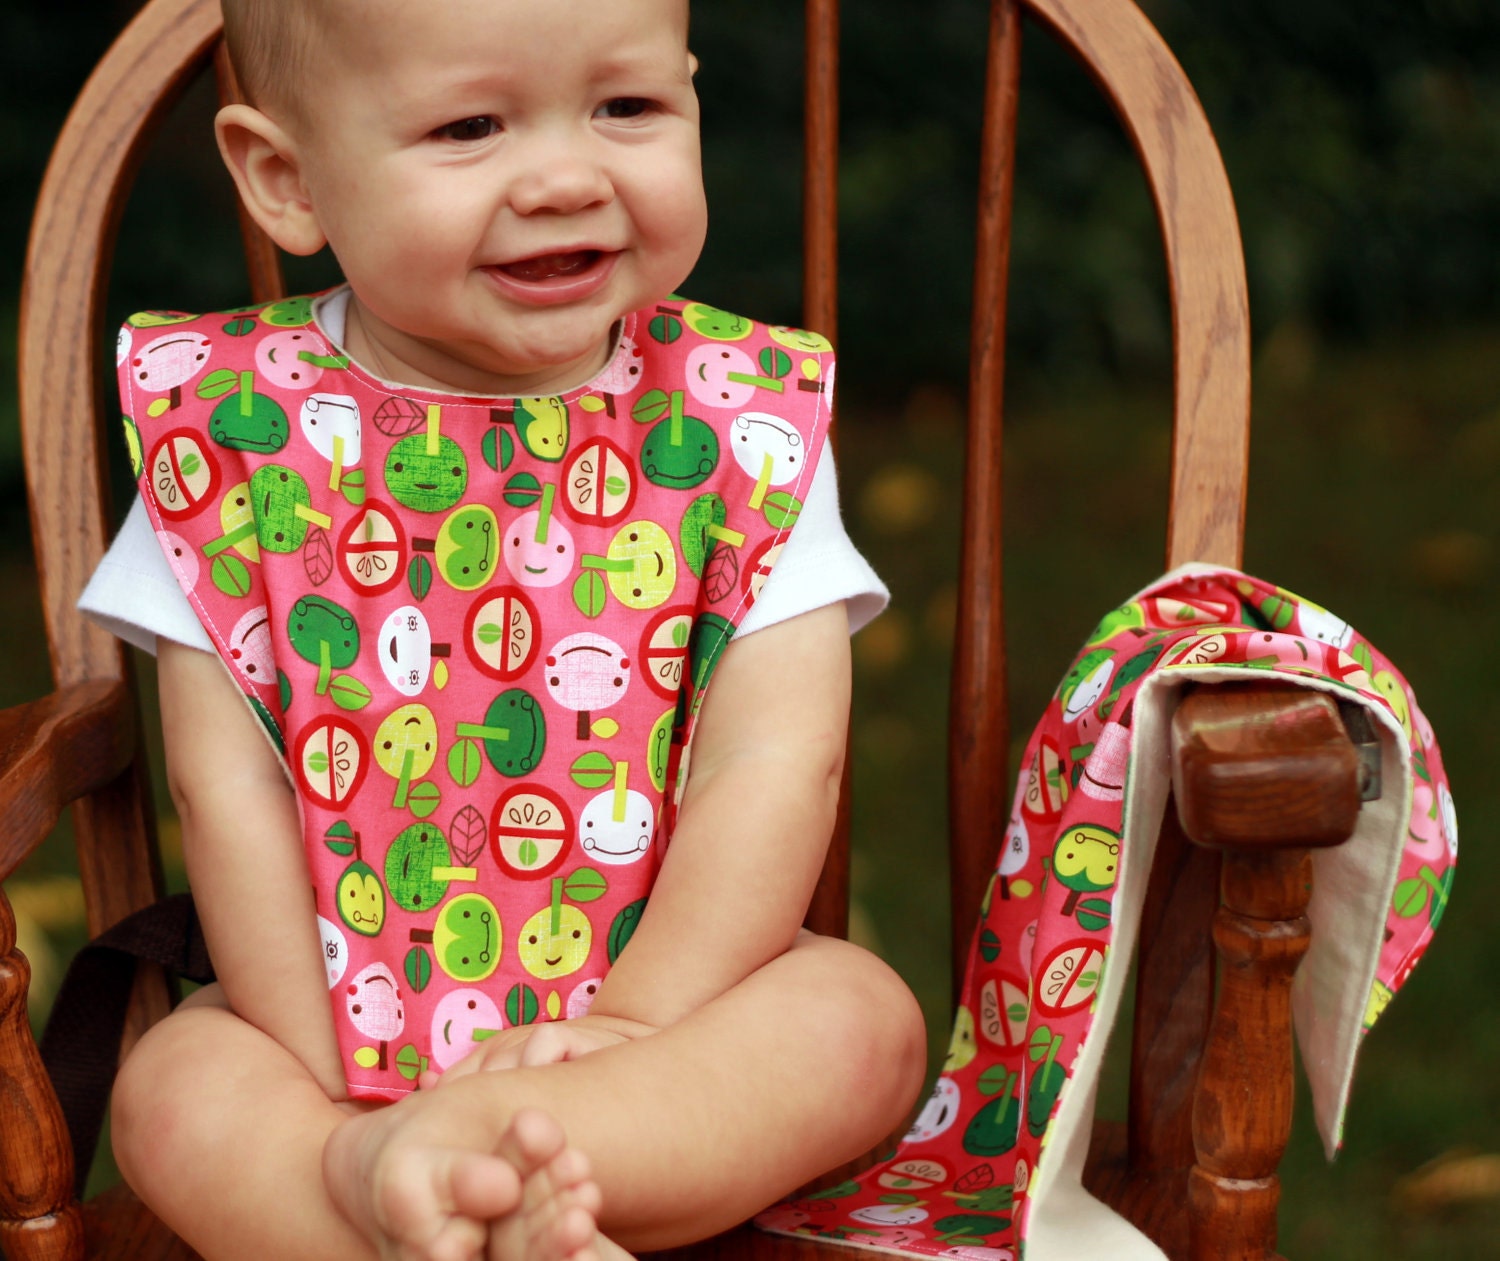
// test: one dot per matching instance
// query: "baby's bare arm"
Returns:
(755, 822)
(243, 851)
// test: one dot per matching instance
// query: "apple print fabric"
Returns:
(477, 630)
(990, 1169)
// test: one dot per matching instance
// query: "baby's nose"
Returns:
(562, 178)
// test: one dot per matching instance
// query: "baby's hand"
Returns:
(551, 1042)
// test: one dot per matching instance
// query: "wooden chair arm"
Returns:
(55, 750)
(1263, 767)
(1265, 774)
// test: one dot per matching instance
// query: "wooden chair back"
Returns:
(67, 410)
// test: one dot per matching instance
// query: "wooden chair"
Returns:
(1264, 774)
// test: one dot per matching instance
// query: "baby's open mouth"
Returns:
(551, 266)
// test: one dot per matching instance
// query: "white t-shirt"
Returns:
(135, 594)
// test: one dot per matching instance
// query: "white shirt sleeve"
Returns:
(819, 565)
(135, 595)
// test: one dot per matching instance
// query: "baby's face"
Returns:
(501, 180)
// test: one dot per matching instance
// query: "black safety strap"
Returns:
(81, 1043)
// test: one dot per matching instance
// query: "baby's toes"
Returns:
(432, 1203)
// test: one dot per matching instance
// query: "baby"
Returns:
(470, 535)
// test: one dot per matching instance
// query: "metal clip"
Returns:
(1367, 744)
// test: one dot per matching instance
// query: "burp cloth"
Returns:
(990, 1170)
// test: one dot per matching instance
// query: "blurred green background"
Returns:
(1363, 143)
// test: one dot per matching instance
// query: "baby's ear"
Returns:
(263, 159)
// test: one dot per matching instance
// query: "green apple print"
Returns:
(288, 313)
(467, 547)
(361, 899)
(133, 446)
(1129, 673)
(427, 471)
(466, 939)
(721, 326)
(323, 633)
(556, 940)
(1130, 616)
(405, 748)
(710, 636)
(417, 867)
(283, 508)
(243, 419)
(1046, 1081)
(681, 451)
(1085, 684)
(514, 732)
(542, 426)
(1087, 860)
(996, 1126)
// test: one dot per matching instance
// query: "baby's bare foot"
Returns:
(418, 1200)
(556, 1218)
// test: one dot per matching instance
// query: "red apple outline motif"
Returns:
(323, 734)
(519, 814)
(513, 601)
(176, 485)
(381, 550)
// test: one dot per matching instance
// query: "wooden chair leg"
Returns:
(1242, 1115)
(39, 1220)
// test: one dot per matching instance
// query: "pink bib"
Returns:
(478, 631)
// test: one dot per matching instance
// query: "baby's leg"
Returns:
(221, 1131)
(802, 1066)
(805, 1064)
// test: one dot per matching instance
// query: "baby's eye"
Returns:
(624, 107)
(481, 127)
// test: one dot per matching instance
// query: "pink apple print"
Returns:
(538, 552)
(583, 995)
(1104, 770)
(782, 1217)
(720, 375)
(373, 1001)
(587, 672)
(181, 556)
(123, 340)
(623, 373)
(250, 646)
(461, 1020)
(1425, 829)
(900, 1238)
(1450, 819)
(1028, 946)
(287, 358)
(168, 362)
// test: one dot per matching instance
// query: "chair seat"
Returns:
(118, 1227)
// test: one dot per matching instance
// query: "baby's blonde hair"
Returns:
(270, 42)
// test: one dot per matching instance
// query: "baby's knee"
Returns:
(153, 1110)
(874, 1024)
